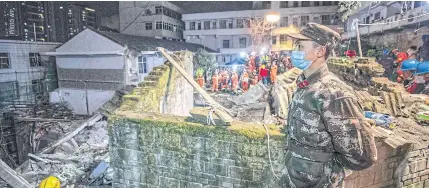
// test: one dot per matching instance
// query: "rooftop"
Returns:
(140, 43)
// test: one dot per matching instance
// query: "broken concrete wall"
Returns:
(164, 151)
(164, 90)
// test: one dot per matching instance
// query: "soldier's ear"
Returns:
(322, 52)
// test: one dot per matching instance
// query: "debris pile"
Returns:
(73, 157)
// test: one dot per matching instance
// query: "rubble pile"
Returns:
(72, 161)
(358, 71)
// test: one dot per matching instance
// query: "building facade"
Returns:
(227, 33)
(24, 73)
(396, 24)
(45, 21)
(158, 19)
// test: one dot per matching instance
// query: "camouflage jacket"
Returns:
(326, 133)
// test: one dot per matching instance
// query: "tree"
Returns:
(346, 8)
(204, 60)
(259, 30)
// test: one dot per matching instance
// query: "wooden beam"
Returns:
(11, 177)
(70, 135)
(221, 111)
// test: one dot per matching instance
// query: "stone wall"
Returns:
(164, 90)
(174, 153)
(401, 39)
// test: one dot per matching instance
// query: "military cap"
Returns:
(318, 33)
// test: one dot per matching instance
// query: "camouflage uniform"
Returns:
(326, 133)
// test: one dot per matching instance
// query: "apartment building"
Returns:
(158, 19)
(224, 30)
(398, 24)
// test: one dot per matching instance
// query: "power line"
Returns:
(136, 17)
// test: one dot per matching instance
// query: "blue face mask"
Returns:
(298, 61)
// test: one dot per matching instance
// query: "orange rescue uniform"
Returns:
(215, 83)
(273, 73)
(245, 81)
(400, 57)
(234, 81)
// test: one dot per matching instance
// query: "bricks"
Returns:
(418, 165)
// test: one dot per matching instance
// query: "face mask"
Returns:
(298, 60)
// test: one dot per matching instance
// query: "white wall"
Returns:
(76, 99)
(129, 10)
(20, 68)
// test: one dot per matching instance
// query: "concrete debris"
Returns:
(73, 165)
(253, 95)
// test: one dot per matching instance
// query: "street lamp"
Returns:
(272, 17)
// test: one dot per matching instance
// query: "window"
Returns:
(35, 60)
(158, 10)
(266, 4)
(199, 26)
(316, 3)
(274, 40)
(283, 39)
(148, 26)
(377, 16)
(225, 43)
(242, 42)
(295, 22)
(214, 25)
(191, 25)
(206, 25)
(224, 58)
(158, 25)
(326, 19)
(305, 3)
(37, 86)
(240, 23)
(284, 4)
(304, 20)
(142, 63)
(295, 4)
(4, 61)
(230, 24)
(284, 21)
(222, 24)
(326, 3)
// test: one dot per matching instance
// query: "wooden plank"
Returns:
(221, 111)
(11, 177)
(70, 135)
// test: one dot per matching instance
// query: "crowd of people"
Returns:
(257, 68)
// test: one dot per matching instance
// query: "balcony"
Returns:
(393, 22)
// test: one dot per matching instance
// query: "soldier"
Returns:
(326, 131)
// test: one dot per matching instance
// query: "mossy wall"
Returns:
(157, 151)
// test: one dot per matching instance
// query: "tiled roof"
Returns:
(140, 43)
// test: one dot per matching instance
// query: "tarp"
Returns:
(236, 61)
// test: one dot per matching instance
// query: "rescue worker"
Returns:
(225, 80)
(422, 71)
(397, 73)
(200, 78)
(412, 52)
(245, 81)
(325, 124)
(408, 68)
(263, 73)
(273, 73)
(215, 81)
(255, 78)
(234, 82)
(50, 182)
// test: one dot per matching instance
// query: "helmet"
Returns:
(422, 68)
(409, 64)
(50, 182)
